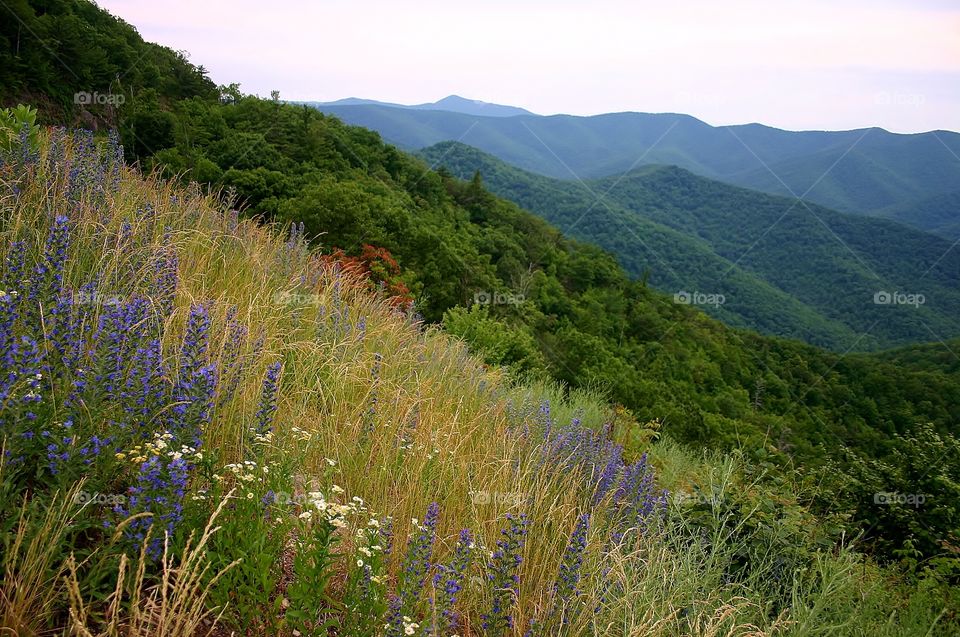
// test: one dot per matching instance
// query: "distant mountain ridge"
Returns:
(450, 103)
(800, 271)
(864, 171)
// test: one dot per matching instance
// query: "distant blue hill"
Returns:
(451, 103)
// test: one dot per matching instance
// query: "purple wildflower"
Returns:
(371, 415)
(568, 579)
(268, 400)
(159, 490)
(230, 364)
(449, 580)
(193, 351)
(394, 626)
(417, 561)
(48, 275)
(165, 275)
(502, 574)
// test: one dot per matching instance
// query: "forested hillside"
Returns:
(79, 65)
(210, 428)
(785, 452)
(783, 268)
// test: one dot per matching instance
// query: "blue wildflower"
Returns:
(502, 575)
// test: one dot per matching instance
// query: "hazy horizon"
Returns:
(820, 66)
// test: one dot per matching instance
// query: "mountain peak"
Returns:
(450, 103)
(459, 104)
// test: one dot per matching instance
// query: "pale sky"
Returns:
(805, 64)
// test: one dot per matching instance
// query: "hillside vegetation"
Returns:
(203, 423)
(79, 64)
(525, 297)
(794, 270)
(381, 400)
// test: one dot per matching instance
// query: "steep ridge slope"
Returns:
(829, 264)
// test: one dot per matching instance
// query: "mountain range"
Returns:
(914, 178)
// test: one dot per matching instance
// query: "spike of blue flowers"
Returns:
(48, 274)
(565, 588)
(449, 581)
(166, 264)
(120, 331)
(417, 561)
(230, 364)
(268, 400)
(503, 578)
(193, 351)
(394, 618)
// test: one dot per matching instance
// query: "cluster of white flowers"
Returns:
(406, 444)
(249, 476)
(432, 450)
(302, 435)
(368, 546)
(263, 438)
(409, 626)
(160, 446)
(333, 512)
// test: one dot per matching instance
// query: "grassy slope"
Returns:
(466, 439)
(784, 269)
